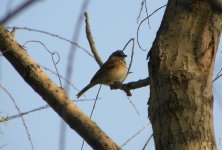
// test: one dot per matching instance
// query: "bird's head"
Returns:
(118, 54)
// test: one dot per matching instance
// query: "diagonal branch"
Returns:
(19, 111)
(91, 41)
(55, 96)
(19, 9)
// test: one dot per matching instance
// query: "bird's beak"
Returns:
(124, 55)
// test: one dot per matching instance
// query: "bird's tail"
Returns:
(84, 90)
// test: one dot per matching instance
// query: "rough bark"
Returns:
(181, 68)
(55, 96)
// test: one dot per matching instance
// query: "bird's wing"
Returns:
(104, 69)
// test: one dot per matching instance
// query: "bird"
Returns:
(113, 70)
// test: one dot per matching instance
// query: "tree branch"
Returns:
(131, 85)
(91, 41)
(56, 97)
(53, 35)
(19, 9)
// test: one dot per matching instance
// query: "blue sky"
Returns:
(113, 23)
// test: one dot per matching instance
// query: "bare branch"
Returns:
(94, 106)
(147, 141)
(137, 34)
(217, 77)
(60, 76)
(23, 120)
(219, 74)
(91, 41)
(220, 139)
(8, 7)
(52, 53)
(53, 35)
(134, 106)
(18, 10)
(140, 12)
(137, 84)
(52, 94)
(69, 67)
(131, 58)
(2, 146)
(131, 85)
(147, 14)
(134, 135)
(8, 118)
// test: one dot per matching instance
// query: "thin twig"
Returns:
(137, 34)
(8, 7)
(63, 78)
(53, 35)
(2, 146)
(83, 142)
(132, 39)
(220, 139)
(132, 54)
(140, 12)
(94, 105)
(23, 120)
(147, 141)
(134, 135)
(69, 67)
(134, 106)
(17, 10)
(91, 41)
(52, 53)
(148, 20)
(219, 74)
(130, 64)
(217, 77)
(8, 118)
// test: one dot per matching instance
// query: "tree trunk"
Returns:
(181, 70)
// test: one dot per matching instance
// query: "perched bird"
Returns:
(113, 70)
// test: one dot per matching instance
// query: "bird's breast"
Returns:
(119, 72)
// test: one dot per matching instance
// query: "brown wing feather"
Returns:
(105, 68)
